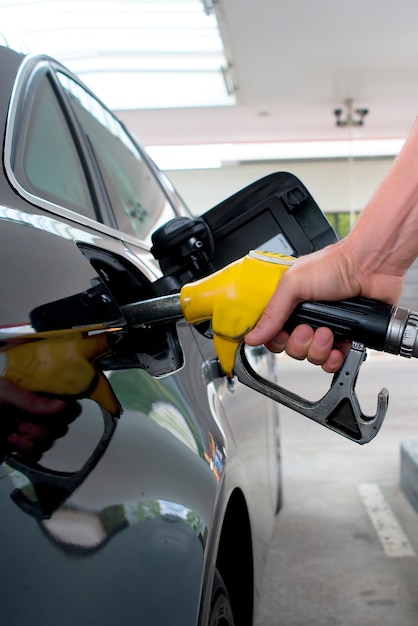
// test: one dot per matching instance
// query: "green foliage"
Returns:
(341, 222)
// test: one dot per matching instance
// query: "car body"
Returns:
(150, 496)
(170, 473)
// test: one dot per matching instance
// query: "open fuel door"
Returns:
(275, 213)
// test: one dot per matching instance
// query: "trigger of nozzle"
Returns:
(339, 409)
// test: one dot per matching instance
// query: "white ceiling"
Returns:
(295, 61)
(133, 54)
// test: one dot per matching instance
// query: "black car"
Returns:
(147, 493)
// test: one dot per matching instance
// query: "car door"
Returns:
(112, 519)
(134, 194)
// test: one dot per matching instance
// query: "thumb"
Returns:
(274, 317)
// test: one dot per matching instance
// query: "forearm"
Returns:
(385, 238)
(371, 262)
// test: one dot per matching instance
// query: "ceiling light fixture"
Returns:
(209, 156)
(350, 120)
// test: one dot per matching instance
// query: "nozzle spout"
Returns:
(161, 309)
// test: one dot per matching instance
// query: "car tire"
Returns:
(220, 606)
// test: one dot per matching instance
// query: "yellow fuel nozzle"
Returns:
(234, 298)
(61, 363)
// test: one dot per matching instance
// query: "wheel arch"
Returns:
(235, 558)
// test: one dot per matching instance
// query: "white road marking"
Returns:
(393, 539)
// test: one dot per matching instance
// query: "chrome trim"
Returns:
(74, 232)
(410, 336)
(24, 70)
(396, 329)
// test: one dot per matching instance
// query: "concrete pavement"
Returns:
(329, 564)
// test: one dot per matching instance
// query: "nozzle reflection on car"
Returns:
(55, 498)
(30, 422)
(46, 380)
(55, 386)
(36, 443)
(61, 364)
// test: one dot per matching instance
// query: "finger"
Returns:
(300, 341)
(279, 342)
(21, 443)
(334, 362)
(321, 346)
(32, 431)
(27, 437)
(266, 327)
(276, 313)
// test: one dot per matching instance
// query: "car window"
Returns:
(138, 202)
(48, 164)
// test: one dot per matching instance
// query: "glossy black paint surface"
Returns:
(121, 519)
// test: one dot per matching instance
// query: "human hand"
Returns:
(29, 422)
(334, 273)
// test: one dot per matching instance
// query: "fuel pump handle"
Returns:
(235, 297)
